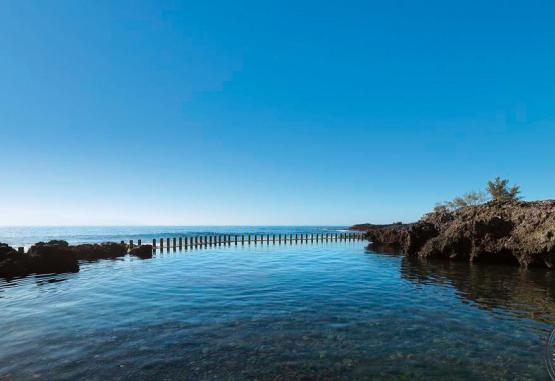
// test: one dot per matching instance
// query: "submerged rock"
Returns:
(143, 251)
(514, 232)
(105, 250)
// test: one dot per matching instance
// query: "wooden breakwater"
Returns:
(201, 241)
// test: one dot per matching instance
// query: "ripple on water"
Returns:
(321, 311)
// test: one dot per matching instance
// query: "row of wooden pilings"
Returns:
(242, 239)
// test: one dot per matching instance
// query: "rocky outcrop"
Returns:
(59, 257)
(515, 232)
(6, 251)
(11, 262)
(388, 238)
(105, 250)
(143, 252)
(51, 257)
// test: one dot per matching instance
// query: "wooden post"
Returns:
(242, 239)
(154, 243)
(180, 243)
(267, 239)
(174, 243)
(21, 250)
(130, 243)
(273, 238)
(249, 238)
(161, 243)
(139, 242)
(235, 239)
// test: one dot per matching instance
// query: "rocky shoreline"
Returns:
(58, 257)
(511, 232)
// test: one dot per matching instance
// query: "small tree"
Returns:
(499, 190)
(440, 208)
(467, 199)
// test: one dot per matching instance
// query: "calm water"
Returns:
(322, 311)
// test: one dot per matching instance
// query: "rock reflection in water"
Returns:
(528, 293)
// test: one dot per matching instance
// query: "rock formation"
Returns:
(50, 257)
(143, 252)
(59, 257)
(105, 250)
(513, 232)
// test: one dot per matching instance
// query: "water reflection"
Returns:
(528, 293)
(285, 312)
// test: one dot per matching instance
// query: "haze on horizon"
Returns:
(170, 113)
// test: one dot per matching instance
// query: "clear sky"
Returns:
(269, 112)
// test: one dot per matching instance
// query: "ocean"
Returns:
(26, 236)
(329, 310)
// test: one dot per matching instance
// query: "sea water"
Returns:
(28, 235)
(306, 311)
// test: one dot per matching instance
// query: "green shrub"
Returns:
(467, 199)
(499, 190)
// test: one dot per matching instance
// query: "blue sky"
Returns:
(264, 112)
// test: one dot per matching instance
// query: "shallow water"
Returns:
(326, 310)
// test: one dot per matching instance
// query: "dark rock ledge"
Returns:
(59, 257)
(513, 232)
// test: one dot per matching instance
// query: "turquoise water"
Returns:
(320, 311)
